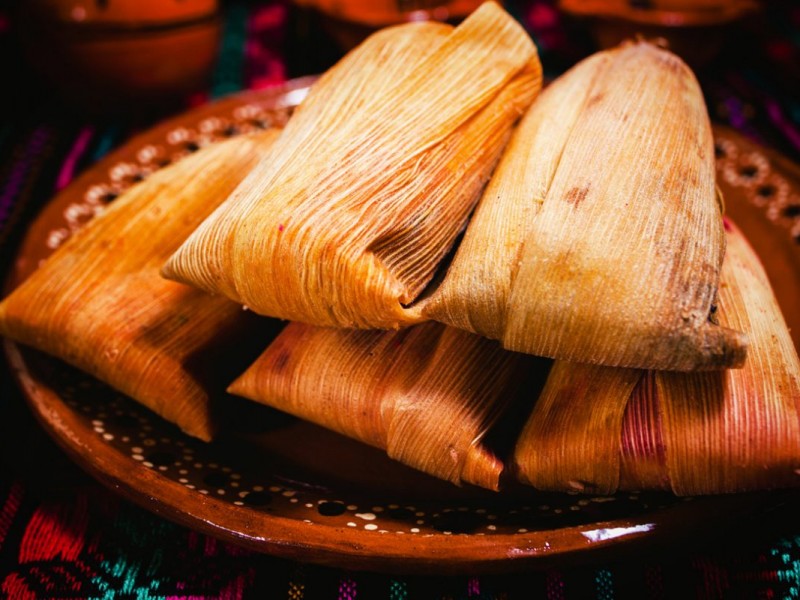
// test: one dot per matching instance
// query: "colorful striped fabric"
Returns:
(62, 535)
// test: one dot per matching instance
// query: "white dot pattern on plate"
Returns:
(178, 143)
(765, 187)
(159, 446)
(153, 444)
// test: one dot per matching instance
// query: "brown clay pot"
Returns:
(110, 56)
(349, 22)
(695, 30)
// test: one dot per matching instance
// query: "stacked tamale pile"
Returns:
(453, 251)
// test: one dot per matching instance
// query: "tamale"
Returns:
(345, 220)
(426, 394)
(691, 433)
(429, 394)
(100, 303)
(599, 238)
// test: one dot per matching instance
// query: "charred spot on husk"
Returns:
(576, 195)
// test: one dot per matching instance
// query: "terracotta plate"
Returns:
(291, 489)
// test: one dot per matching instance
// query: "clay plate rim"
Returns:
(370, 550)
(333, 545)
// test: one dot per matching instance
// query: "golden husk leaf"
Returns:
(569, 443)
(426, 394)
(599, 238)
(345, 222)
(691, 433)
(100, 304)
(738, 429)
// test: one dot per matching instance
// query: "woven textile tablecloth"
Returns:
(62, 535)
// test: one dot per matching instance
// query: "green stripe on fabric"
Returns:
(105, 142)
(229, 74)
(398, 590)
(790, 573)
(605, 585)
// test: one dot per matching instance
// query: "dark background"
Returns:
(753, 86)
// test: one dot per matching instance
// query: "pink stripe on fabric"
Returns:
(9, 510)
(55, 531)
(25, 159)
(776, 115)
(473, 587)
(555, 586)
(68, 169)
(265, 65)
(347, 589)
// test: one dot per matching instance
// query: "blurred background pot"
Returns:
(111, 56)
(349, 22)
(696, 30)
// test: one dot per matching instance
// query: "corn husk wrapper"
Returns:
(429, 395)
(599, 238)
(346, 219)
(601, 429)
(426, 394)
(100, 304)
